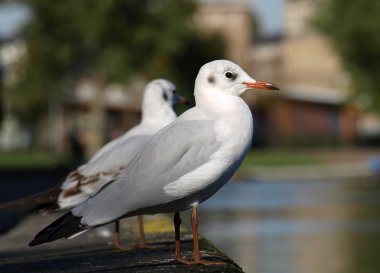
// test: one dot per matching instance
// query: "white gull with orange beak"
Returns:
(183, 164)
(112, 159)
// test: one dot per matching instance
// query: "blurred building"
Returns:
(120, 109)
(233, 20)
(311, 106)
(122, 104)
(115, 109)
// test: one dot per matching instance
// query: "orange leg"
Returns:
(117, 240)
(196, 256)
(140, 219)
(177, 224)
(141, 244)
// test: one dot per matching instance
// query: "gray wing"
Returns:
(105, 149)
(173, 152)
(74, 177)
(119, 156)
(113, 145)
(95, 174)
(102, 151)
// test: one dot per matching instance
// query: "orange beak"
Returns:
(261, 85)
(183, 100)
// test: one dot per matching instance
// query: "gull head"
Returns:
(226, 77)
(162, 92)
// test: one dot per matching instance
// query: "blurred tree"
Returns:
(354, 27)
(106, 41)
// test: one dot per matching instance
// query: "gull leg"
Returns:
(196, 256)
(177, 224)
(117, 241)
(141, 244)
(194, 226)
(197, 259)
(140, 219)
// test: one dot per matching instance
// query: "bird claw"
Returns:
(199, 261)
(121, 248)
(129, 247)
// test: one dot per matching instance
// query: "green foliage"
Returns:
(30, 160)
(117, 40)
(279, 158)
(354, 27)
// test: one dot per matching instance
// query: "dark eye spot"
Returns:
(211, 79)
(174, 92)
(230, 75)
(165, 96)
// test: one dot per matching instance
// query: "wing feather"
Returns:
(183, 147)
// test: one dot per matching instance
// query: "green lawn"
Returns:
(279, 158)
(38, 159)
(22, 160)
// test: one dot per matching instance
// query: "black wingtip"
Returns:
(34, 242)
(64, 227)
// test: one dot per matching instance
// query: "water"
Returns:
(271, 227)
(297, 227)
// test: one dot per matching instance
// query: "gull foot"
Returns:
(120, 248)
(134, 246)
(200, 261)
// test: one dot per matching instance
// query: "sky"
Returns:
(12, 17)
(269, 13)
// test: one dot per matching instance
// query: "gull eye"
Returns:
(229, 75)
(165, 96)
(174, 92)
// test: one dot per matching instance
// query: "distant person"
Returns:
(76, 147)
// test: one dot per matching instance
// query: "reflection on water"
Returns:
(291, 227)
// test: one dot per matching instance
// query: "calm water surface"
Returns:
(291, 227)
(276, 227)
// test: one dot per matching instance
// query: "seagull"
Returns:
(181, 166)
(113, 158)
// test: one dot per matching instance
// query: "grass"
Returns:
(279, 158)
(38, 159)
(29, 160)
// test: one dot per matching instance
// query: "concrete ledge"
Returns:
(93, 251)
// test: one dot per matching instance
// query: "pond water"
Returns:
(276, 227)
(291, 227)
